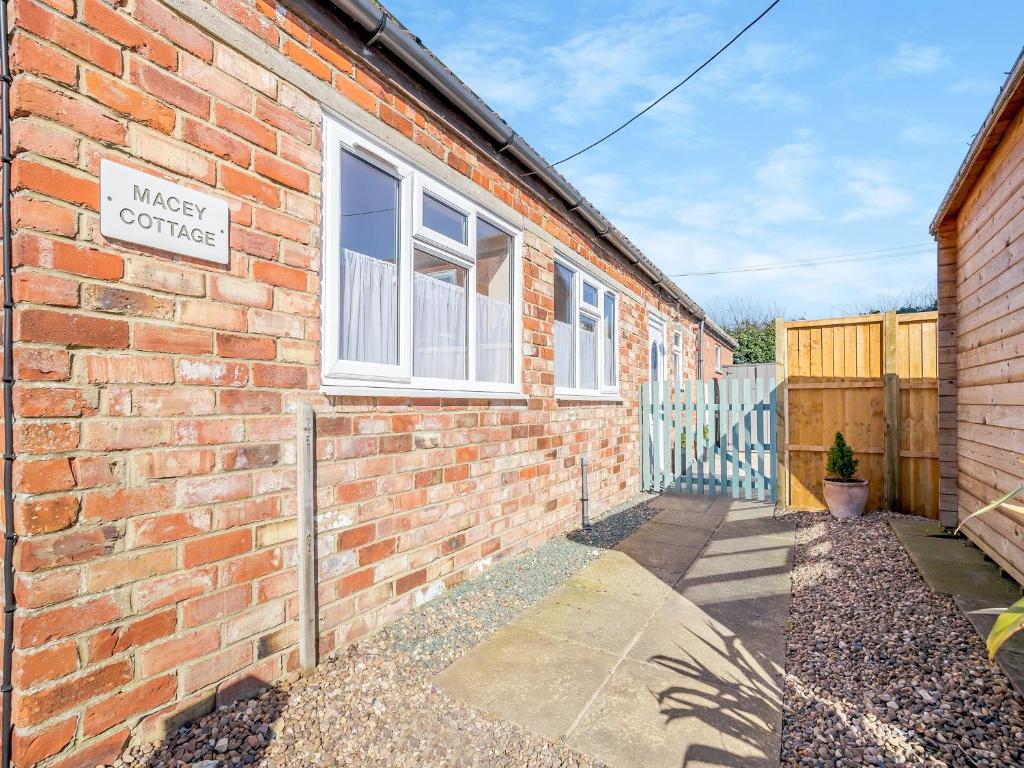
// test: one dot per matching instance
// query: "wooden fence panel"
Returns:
(834, 373)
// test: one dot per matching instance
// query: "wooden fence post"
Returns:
(890, 359)
(306, 491)
(781, 437)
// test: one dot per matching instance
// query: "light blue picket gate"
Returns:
(711, 438)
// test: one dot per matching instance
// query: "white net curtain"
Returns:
(369, 322)
(438, 328)
(369, 309)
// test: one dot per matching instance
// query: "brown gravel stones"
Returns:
(879, 669)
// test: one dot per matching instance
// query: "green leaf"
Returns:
(993, 505)
(1007, 625)
(989, 611)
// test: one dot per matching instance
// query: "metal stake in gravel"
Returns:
(585, 499)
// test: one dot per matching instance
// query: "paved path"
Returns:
(667, 651)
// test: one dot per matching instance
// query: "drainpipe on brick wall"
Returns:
(10, 537)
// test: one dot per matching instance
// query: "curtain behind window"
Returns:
(588, 356)
(493, 339)
(439, 328)
(369, 309)
(563, 354)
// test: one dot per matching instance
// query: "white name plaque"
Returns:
(140, 208)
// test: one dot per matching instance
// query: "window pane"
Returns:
(494, 303)
(589, 294)
(438, 318)
(443, 219)
(369, 263)
(564, 362)
(610, 362)
(588, 352)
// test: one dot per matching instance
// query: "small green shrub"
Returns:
(841, 464)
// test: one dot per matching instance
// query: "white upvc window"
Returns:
(718, 358)
(586, 334)
(421, 286)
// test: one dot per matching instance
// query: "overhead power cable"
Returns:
(882, 253)
(666, 94)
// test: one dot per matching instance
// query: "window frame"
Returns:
(353, 377)
(677, 357)
(593, 312)
(657, 331)
(718, 358)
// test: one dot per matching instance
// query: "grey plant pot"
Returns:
(846, 500)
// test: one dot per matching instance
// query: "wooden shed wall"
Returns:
(989, 311)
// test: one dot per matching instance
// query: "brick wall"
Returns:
(710, 342)
(155, 395)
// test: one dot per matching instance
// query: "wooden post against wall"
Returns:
(781, 436)
(890, 372)
(305, 462)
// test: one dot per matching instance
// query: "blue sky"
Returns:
(832, 127)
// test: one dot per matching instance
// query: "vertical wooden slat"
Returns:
(677, 444)
(780, 422)
(645, 436)
(775, 429)
(748, 437)
(305, 460)
(734, 411)
(702, 396)
(890, 362)
(723, 437)
(659, 425)
(688, 432)
(759, 399)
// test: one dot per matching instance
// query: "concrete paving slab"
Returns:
(665, 717)
(1011, 656)
(950, 567)
(618, 574)
(696, 520)
(539, 682)
(682, 502)
(665, 556)
(695, 673)
(580, 615)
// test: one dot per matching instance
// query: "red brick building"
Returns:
(464, 333)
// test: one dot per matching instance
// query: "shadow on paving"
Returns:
(666, 651)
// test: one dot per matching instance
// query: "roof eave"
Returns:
(1011, 93)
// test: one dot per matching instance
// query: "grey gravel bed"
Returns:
(373, 704)
(443, 629)
(879, 669)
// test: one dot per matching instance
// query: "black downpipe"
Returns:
(10, 537)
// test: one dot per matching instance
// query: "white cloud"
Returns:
(922, 132)
(915, 59)
(784, 184)
(972, 85)
(875, 193)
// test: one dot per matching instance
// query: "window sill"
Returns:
(592, 398)
(344, 390)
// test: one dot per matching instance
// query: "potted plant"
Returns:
(845, 494)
